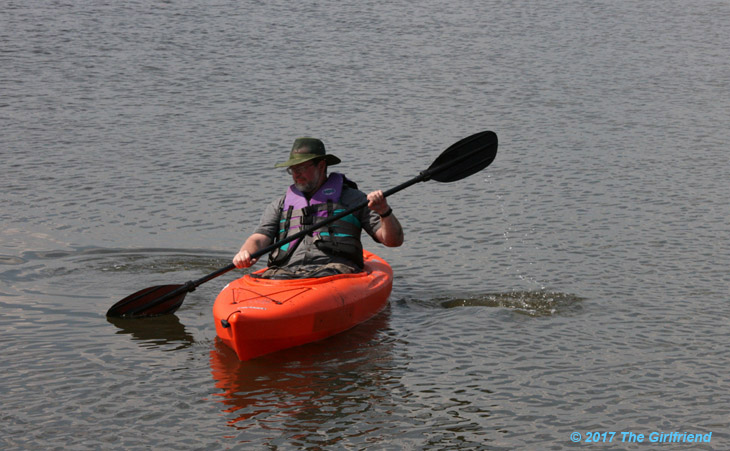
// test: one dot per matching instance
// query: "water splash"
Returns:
(531, 303)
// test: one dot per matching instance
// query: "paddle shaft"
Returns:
(193, 284)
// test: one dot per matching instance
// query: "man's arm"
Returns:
(253, 244)
(390, 232)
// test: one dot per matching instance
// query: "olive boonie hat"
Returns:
(305, 149)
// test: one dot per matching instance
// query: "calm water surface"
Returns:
(579, 284)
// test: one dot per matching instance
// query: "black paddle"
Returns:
(464, 158)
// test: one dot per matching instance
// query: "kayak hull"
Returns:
(255, 317)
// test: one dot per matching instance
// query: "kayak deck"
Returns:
(255, 317)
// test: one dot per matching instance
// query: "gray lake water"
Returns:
(579, 284)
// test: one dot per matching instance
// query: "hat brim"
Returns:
(304, 157)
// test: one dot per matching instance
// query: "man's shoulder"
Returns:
(352, 195)
(275, 206)
(278, 202)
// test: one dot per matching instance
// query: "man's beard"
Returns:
(309, 187)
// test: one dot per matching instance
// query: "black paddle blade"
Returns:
(152, 301)
(464, 158)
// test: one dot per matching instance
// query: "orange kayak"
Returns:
(259, 316)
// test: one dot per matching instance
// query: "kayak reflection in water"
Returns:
(332, 249)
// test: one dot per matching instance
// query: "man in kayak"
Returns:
(332, 249)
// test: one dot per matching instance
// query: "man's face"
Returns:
(307, 176)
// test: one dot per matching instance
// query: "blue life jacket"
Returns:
(340, 238)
